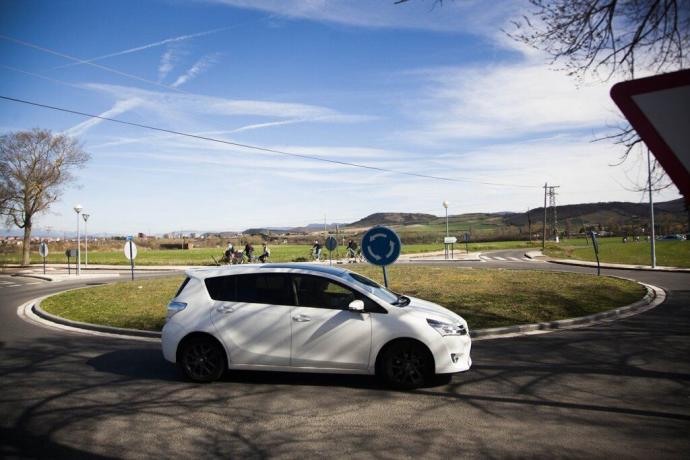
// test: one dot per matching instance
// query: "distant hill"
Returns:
(393, 218)
(618, 217)
(614, 212)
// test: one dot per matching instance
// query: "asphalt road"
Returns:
(617, 389)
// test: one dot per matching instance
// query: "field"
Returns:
(672, 253)
(203, 256)
(486, 298)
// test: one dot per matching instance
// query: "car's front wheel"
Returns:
(406, 365)
(202, 359)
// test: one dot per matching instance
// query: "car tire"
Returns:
(406, 365)
(202, 359)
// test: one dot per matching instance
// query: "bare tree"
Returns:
(35, 166)
(603, 38)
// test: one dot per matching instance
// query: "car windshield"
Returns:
(379, 291)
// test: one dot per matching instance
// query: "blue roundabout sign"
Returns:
(381, 246)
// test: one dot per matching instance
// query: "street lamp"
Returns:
(445, 205)
(78, 209)
(86, 240)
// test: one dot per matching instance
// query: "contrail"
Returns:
(150, 45)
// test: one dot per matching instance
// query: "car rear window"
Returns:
(221, 288)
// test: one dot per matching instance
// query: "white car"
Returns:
(309, 318)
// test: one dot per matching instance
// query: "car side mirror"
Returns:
(356, 305)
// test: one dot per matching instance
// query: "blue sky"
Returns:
(430, 90)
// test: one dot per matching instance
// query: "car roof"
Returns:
(265, 268)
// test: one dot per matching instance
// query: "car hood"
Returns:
(426, 309)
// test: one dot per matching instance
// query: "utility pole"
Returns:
(651, 208)
(554, 217)
(529, 225)
(543, 236)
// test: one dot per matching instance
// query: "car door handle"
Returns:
(301, 318)
(225, 309)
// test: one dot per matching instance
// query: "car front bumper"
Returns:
(453, 354)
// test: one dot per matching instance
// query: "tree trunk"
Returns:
(26, 249)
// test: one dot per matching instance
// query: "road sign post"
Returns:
(70, 253)
(449, 241)
(381, 246)
(130, 250)
(595, 244)
(466, 237)
(43, 251)
(331, 244)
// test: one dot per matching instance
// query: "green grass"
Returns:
(486, 298)
(203, 256)
(672, 253)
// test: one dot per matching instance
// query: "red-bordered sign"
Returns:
(644, 102)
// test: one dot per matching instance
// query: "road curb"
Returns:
(583, 263)
(655, 296)
(38, 311)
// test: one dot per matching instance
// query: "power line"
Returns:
(264, 149)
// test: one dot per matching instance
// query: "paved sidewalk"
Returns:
(440, 255)
(587, 263)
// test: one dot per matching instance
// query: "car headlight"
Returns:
(447, 328)
(174, 308)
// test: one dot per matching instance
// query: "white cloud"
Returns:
(189, 107)
(467, 16)
(167, 41)
(167, 63)
(503, 101)
(199, 67)
(120, 107)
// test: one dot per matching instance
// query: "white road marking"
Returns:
(498, 258)
(514, 258)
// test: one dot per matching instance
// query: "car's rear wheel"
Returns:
(202, 359)
(406, 365)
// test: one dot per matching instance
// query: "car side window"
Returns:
(269, 288)
(221, 288)
(319, 292)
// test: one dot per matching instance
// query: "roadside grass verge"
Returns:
(204, 256)
(485, 298)
(672, 253)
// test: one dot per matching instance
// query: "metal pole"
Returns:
(543, 236)
(447, 222)
(651, 208)
(78, 248)
(385, 276)
(86, 244)
(131, 260)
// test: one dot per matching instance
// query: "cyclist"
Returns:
(316, 250)
(266, 254)
(249, 252)
(351, 249)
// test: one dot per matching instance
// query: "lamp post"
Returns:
(445, 243)
(86, 240)
(78, 209)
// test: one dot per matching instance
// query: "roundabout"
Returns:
(610, 388)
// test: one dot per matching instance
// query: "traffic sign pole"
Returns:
(131, 260)
(43, 251)
(381, 246)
